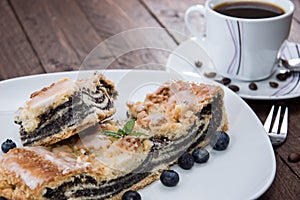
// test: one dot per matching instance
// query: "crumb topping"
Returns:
(172, 106)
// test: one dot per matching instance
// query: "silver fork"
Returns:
(278, 133)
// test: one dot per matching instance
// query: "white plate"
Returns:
(187, 53)
(243, 171)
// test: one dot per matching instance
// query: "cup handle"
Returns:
(195, 8)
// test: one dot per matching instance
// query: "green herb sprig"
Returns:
(126, 130)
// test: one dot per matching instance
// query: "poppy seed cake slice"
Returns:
(65, 108)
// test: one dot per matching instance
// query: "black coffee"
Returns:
(249, 10)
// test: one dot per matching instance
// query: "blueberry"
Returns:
(221, 141)
(7, 145)
(131, 195)
(169, 178)
(200, 155)
(186, 161)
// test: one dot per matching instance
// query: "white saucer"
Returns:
(183, 59)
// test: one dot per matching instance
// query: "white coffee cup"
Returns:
(242, 48)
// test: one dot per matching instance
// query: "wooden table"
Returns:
(43, 36)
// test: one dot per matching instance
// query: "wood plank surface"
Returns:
(58, 31)
(295, 29)
(285, 184)
(171, 14)
(297, 10)
(154, 35)
(128, 45)
(17, 56)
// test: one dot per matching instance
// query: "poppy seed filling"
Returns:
(163, 152)
(66, 115)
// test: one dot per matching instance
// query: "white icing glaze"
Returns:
(44, 100)
(120, 158)
(31, 180)
(64, 164)
(59, 90)
(155, 118)
(96, 141)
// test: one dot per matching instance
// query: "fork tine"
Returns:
(267, 124)
(284, 125)
(277, 134)
(275, 128)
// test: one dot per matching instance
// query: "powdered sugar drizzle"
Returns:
(31, 181)
(64, 164)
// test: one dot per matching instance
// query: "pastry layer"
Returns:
(64, 109)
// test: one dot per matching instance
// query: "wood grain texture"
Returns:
(285, 184)
(17, 55)
(58, 31)
(129, 46)
(295, 29)
(106, 23)
(297, 10)
(154, 35)
(295, 33)
(293, 140)
(171, 14)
